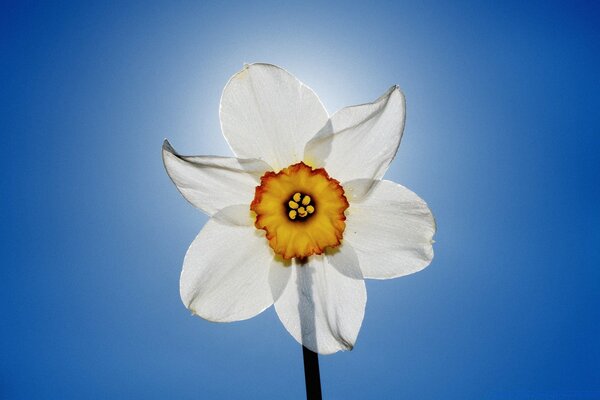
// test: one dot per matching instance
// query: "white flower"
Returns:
(283, 229)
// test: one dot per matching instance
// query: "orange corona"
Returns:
(301, 209)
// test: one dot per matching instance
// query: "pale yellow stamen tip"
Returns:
(292, 204)
(292, 214)
(302, 212)
(297, 196)
(306, 200)
(310, 209)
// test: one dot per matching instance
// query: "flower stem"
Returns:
(312, 378)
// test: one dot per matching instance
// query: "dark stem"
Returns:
(312, 378)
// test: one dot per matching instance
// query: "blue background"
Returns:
(502, 140)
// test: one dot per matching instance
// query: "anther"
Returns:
(299, 206)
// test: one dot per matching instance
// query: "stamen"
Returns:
(299, 206)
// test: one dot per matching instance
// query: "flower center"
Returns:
(299, 207)
(285, 204)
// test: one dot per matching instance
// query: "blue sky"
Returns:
(502, 140)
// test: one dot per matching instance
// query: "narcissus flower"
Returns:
(302, 216)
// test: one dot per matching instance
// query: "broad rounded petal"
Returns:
(212, 183)
(225, 273)
(391, 230)
(323, 304)
(360, 141)
(267, 113)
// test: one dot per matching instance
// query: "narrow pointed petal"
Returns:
(267, 113)
(360, 141)
(213, 183)
(225, 273)
(323, 304)
(391, 229)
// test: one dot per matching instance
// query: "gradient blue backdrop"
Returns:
(502, 140)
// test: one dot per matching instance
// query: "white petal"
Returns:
(357, 189)
(225, 273)
(360, 141)
(212, 183)
(267, 113)
(391, 230)
(239, 214)
(323, 304)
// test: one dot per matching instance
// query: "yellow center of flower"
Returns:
(301, 209)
